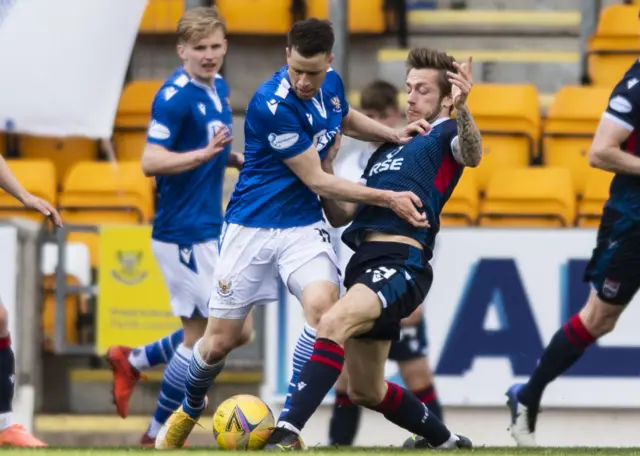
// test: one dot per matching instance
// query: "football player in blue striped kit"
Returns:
(389, 275)
(187, 151)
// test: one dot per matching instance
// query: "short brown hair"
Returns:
(425, 58)
(198, 23)
(379, 96)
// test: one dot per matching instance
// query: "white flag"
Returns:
(64, 64)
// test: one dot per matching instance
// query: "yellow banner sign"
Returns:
(133, 301)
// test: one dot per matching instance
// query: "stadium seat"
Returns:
(162, 16)
(596, 192)
(97, 193)
(132, 118)
(39, 178)
(462, 207)
(615, 45)
(259, 17)
(508, 116)
(568, 130)
(78, 273)
(364, 16)
(64, 152)
(74, 306)
(528, 197)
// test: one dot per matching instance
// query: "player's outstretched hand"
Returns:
(217, 144)
(405, 204)
(406, 134)
(42, 206)
(461, 82)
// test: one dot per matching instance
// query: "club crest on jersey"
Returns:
(335, 101)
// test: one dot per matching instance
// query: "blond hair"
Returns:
(198, 23)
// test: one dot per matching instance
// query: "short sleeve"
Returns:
(278, 128)
(624, 104)
(166, 119)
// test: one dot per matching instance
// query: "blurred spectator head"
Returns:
(379, 100)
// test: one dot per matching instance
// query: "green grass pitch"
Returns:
(322, 451)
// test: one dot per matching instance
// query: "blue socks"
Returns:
(200, 376)
(172, 389)
(301, 354)
(159, 352)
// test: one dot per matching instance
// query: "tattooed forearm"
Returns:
(468, 149)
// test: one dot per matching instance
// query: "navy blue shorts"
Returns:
(413, 343)
(615, 263)
(400, 276)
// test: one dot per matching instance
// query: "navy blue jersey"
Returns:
(624, 109)
(426, 167)
(185, 116)
(279, 126)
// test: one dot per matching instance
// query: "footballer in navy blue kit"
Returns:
(389, 275)
(188, 148)
(274, 230)
(379, 100)
(613, 270)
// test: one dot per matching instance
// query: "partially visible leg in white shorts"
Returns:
(188, 272)
(253, 260)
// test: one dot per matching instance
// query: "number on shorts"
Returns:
(324, 234)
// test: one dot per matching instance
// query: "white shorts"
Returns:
(188, 273)
(253, 260)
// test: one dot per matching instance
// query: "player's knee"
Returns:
(598, 317)
(315, 306)
(246, 336)
(366, 394)
(213, 348)
(333, 325)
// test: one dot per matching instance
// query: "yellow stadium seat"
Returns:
(162, 16)
(64, 152)
(132, 118)
(462, 207)
(39, 178)
(261, 17)
(364, 16)
(568, 130)
(615, 45)
(508, 116)
(273, 17)
(529, 197)
(499, 152)
(596, 192)
(97, 193)
(74, 305)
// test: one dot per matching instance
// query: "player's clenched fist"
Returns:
(405, 204)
